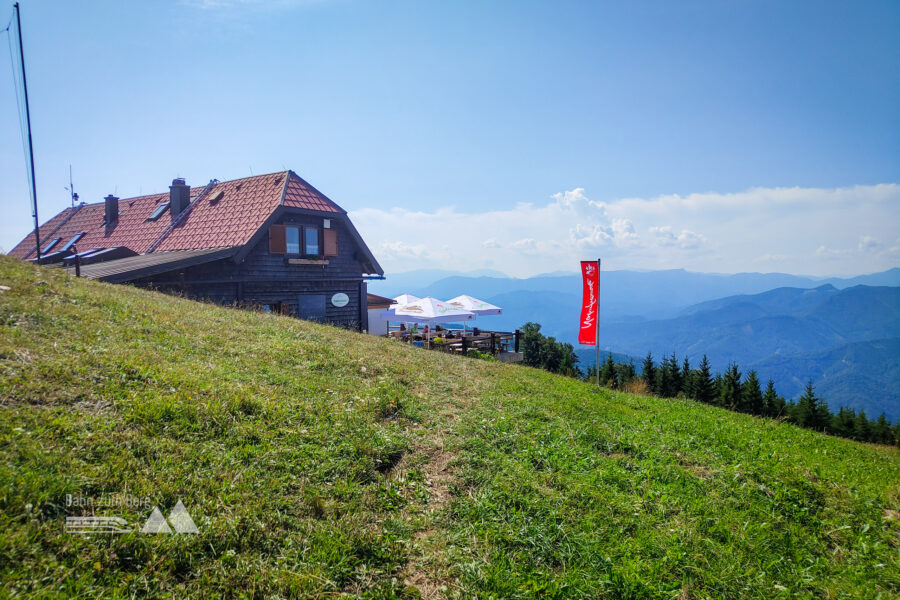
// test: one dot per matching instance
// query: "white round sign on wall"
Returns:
(340, 299)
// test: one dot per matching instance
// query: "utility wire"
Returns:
(19, 93)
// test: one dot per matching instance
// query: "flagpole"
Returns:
(597, 337)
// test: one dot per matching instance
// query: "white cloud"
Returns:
(868, 244)
(526, 246)
(687, 239)
(800, 230)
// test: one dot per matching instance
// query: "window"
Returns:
(158, 212)
(303, 240)
(52, 243)
(71, 242)
(292, 238)
(311, 241)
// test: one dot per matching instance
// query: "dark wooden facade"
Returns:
(280, 282)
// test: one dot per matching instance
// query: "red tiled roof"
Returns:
(227, 216)
(300, 194)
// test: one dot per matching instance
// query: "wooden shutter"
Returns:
(330, 243)
(277, 241)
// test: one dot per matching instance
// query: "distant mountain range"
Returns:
(841, 332)
(841, 339)
(554, 300)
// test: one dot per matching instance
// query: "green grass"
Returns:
(319, 463)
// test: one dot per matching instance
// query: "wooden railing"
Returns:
(495, 343)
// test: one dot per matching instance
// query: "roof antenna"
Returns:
(71, 188)
(251, 171)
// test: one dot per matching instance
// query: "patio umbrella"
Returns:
(401, 300)
(479, 307)
(430, 311)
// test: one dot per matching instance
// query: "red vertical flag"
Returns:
(587, 334)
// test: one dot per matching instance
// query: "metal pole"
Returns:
(37, 233)
(597, 338)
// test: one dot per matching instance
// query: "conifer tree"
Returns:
(625, 374)
(648, 372)
(608, 372)
(751, 395)
(730, 389)
(770, 401)
(687, 379)
(862, 429)
(812, 411)
(674, 377)
(704, 389)
(881, 432)
(844, 422)
(664, 382)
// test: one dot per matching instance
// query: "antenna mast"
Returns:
(34, 211)
(72, 188)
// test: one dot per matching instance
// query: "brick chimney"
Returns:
(179, 197)
(112, 210)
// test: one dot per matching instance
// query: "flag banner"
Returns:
(590, 273)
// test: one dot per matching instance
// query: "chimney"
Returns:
(179, 197)
(112, 210)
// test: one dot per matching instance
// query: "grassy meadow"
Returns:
(321, 463)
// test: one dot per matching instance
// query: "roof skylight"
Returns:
(71, 242)
(52, 243)
(158, 212)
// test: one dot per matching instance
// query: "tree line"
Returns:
(731, 389)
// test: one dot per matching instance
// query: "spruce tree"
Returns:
(862, 429)
(625, 374)
(664, 382)
(770, 401)
(844, 422)
(812, 411)
(881, 432)
(730, 389)
(751, 395)
(608, 372)
(687, 379)
(674, 377)
(648, 372)
(704, 388)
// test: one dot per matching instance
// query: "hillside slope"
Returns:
(318, 463)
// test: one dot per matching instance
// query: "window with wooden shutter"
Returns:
(330, 243)
(277, 242)
(311, 244)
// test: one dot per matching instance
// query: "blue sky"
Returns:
(716, 136)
